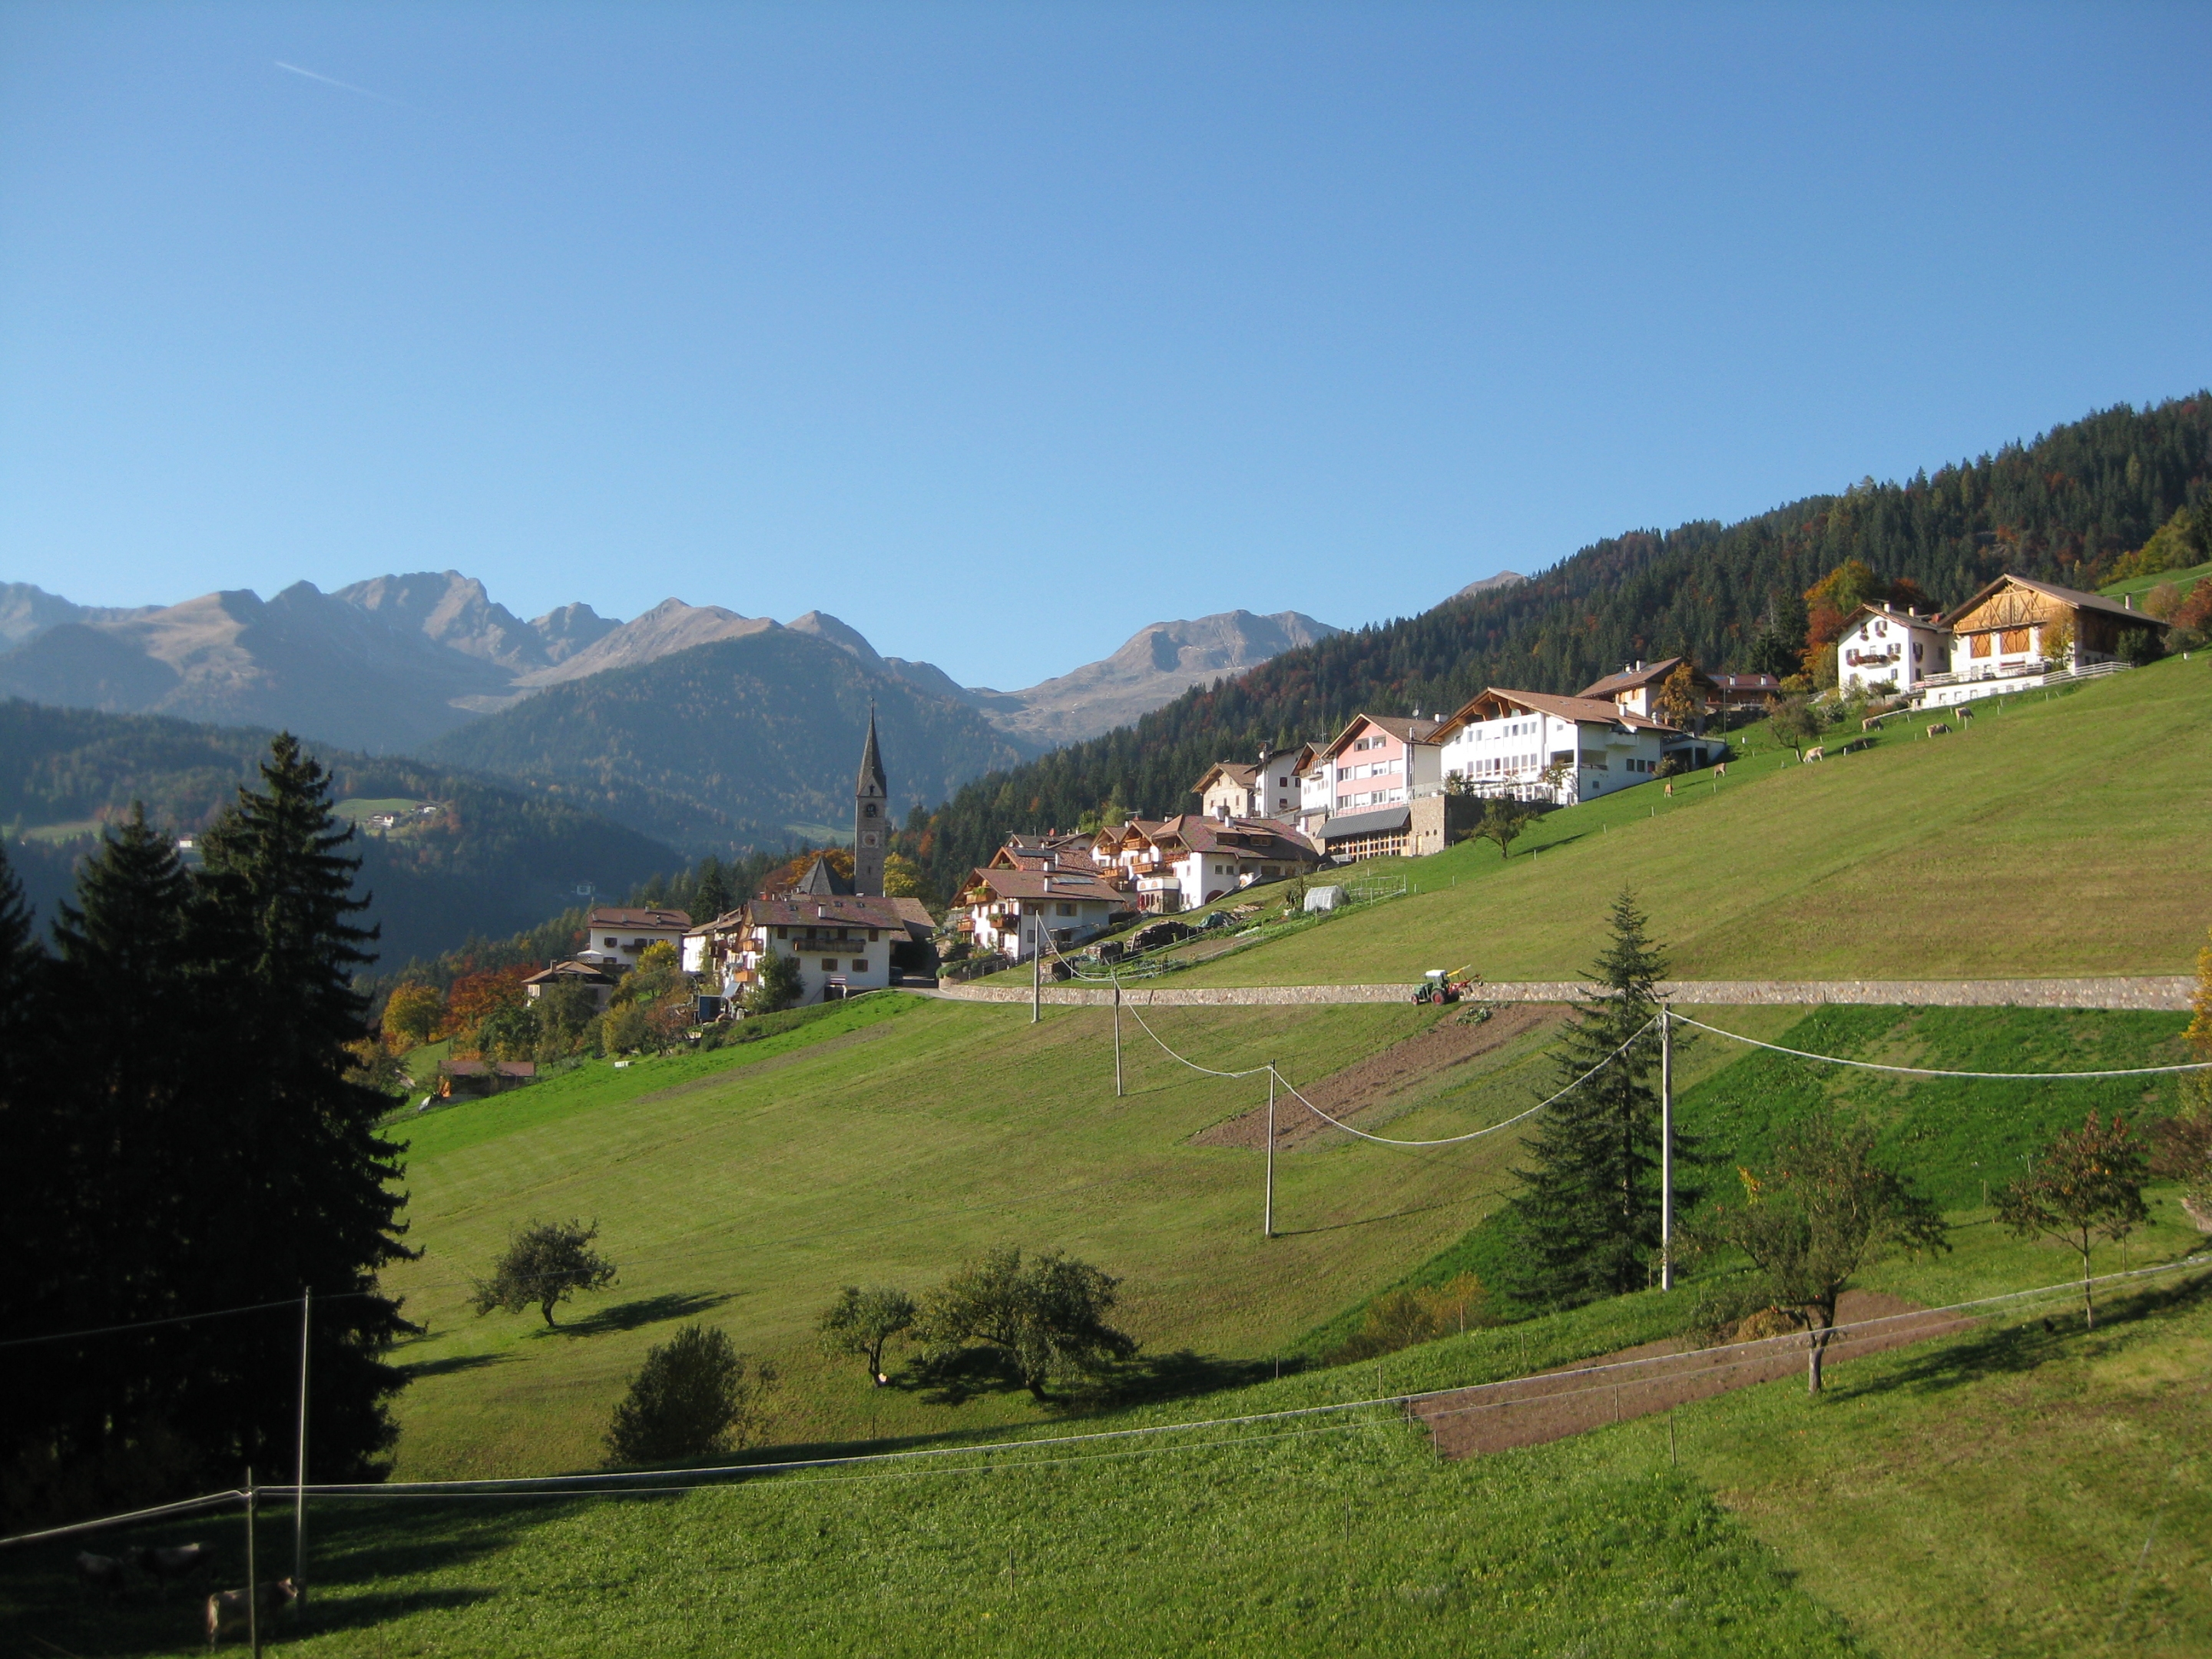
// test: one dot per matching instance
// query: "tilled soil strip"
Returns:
(1529, 1411)
(1455, 1039)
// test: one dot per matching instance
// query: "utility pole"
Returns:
(1666, 1148)
(300, 1468)
(1267, 1216)
(1117, 1037)
(252, 1575)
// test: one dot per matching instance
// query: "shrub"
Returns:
(1401, 1318)
(781, 984)
(695, 1397)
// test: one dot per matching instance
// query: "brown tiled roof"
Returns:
(1629, 678)
(2052, 591)
(833, 909)
(1404, 727)
(1040, 884)
(577, 970)
(1236, 772)
(615, 915)
(916, 914)
(1264, 838)
(727, 922)
(1594, 709)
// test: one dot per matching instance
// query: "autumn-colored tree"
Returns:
(2181, 1144)
(1678, 696)
(476, 995)
(902, 877)
(786, 876)
(2084, 1184)
(411, 1012)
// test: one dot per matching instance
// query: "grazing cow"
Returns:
(100, 1572)
(226, 1609)
(163, 1562)
(1815, 753)
(1939, 730)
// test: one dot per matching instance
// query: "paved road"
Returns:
(2157, 991)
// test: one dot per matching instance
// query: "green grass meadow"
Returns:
(2050, 837)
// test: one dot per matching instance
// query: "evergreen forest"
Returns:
(2066, 508)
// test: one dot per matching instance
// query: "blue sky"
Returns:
(1000, 331)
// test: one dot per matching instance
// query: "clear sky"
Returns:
(1000, 331)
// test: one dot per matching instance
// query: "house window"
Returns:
(874, 933)
(829, 964)
(783, 932)
(860, 965)
(607, 943)
(1066, 909)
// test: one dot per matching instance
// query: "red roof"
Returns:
(616, 915)
(826, 909)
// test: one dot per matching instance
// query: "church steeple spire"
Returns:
(871, 817)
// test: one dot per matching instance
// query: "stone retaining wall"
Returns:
(2164, 992)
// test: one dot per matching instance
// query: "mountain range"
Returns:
(391, 663)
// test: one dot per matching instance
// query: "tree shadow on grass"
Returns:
(950, 1379)
(360, 1555)
(957, 1377)
(2015, 1350)
(419, 1369)
(645, 1310)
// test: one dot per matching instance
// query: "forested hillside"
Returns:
(742, 744)
(2063, 509)
(495, 860)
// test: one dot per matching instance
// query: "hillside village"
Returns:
(1385, 786)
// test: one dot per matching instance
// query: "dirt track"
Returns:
(1381, 1077)
(1529, 1411)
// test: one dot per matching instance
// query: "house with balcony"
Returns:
(1637, 687)
(1532, 746)
(618, 934)
(842, 942)
(2016, 635)
(1018, 912)
(1268, 788)
(1181, 863)
(1886, 651)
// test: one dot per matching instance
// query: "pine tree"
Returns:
(33, 1219)
(710, 892)
(1588, 1215)
(309, 1201)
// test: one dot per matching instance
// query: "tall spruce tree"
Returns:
(310, 1202)
(1588, 1214)
(33, 1219)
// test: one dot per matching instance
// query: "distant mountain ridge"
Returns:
(393, 663)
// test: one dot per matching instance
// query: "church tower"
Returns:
(872, 815)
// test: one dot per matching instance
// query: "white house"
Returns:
(1018, 912)
(619, 934)
(1532, 746)
(1638, 686)
(841, 941)
(2016, 634)
(1888, 652)
(1269, 789)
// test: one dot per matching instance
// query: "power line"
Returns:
(610, 1484)
(1930, 1071)
(176, 1319)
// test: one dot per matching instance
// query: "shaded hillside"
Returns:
(496, 860)
(2062, 509)
(750, 742)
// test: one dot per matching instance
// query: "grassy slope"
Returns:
(2183, 579)
(910, 1135)
(2057, 837)
(2019, 1489)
